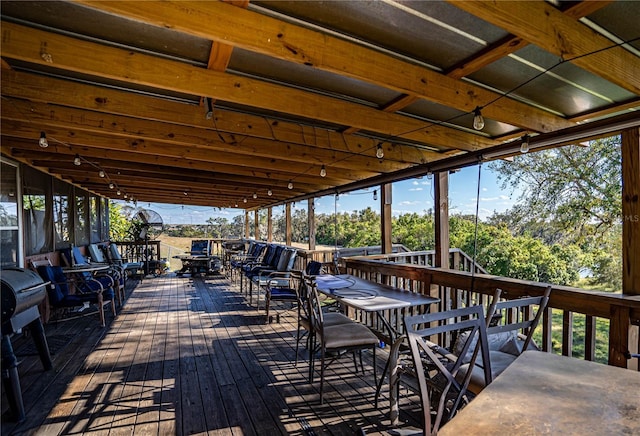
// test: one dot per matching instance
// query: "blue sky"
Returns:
(409, 196)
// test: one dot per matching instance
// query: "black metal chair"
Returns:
(442, 392)
(335, 341)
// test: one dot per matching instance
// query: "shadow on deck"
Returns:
(190, 356)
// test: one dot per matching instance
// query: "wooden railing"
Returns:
(457, 288)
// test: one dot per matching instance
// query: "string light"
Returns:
(101, 174)
(323, 171)
(244, 200)
(269, 192)
(290, 185)
(111, 185)
(43, 140)
(524, 147)
(478, 119)
(118, 192)
(379, 151)
(255, 195)
(77, 161)
(375, 194)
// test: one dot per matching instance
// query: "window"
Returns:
(94, 221)
(36, 207)
(9, 224)
(81, 218)
(61, 219)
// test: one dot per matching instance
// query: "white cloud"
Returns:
(416, 189)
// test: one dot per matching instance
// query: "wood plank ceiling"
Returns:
(295, 87)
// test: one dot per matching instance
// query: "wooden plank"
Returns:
(631, 211)
(263, 34)
(545, 26)
(24, 44)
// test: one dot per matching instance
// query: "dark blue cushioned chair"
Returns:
(87, 292)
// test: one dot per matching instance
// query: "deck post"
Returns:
(287, 220)
(269, 224)
(441, 188)
(256, 224)
(311, 217)
(631, 211)
(385, 218)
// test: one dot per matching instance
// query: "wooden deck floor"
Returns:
(190, 356)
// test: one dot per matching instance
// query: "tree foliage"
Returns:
(571, 196)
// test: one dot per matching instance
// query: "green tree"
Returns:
(571, 196)
(118, 223)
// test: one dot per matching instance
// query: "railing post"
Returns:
(619, 336)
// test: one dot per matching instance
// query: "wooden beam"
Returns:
(282, 40)
(386, 203)
(311, 217)
(545, 26)
(110, 101)
(441, 188)
(24, 44)
(287, 224)
(631, 211)
(512, 43)
(155, 132)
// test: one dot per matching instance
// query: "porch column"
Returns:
(385, 217)
(269, 225)
(256, 224)
(287, 221)
(441, 188)
(631, 211)
(247, 234)
(311, 214)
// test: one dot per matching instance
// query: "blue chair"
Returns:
(87, 292)
(115, 271)
(72, 256)
(130, 268)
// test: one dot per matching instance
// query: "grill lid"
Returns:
(21, 289)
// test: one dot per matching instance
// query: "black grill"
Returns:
(22, 291)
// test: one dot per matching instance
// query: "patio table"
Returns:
(543, 393)
(373, 297)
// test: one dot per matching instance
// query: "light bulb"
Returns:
(255, 195)
(290, 185)
(101, 174)
(43, 140)
(118, 192)
(524, 147)
(111, 186)
(269, 192)
(244, 200)
(77, 161)
(478, 119)
(125, 195)
(323, 171)
(236, 204)
(379, 151)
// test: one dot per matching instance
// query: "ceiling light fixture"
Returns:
(111, 185)
(208, 108)
(118, 192)
(290, 185)
(244, 200)
(255, 195)
(269, 192)
(524, 147)
(77, 161)
(43, 140)
(101, 174)
(478, 119)
(379, 151)
(323, 171)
